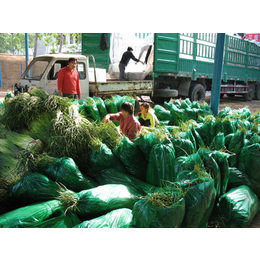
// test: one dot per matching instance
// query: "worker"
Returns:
(148, 49)
(147, 118)
(68, 80)
(129, 125)
(124, 61)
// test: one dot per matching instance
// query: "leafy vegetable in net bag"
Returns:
(101, 158)
(34, 187)
(249, 163)
(102, 199)
(238, 207)
(101, 106)
(162, 113)
(199, 197)
(164, 209)
(211, 167)
(183, 147)
(65, 171)
(112, 176)
(161, 165)
(31, 215)
(222, 160)
(237, 178)
(91, 110)
(132, 158)
(188, 162)
(118, 218)
(68, 220)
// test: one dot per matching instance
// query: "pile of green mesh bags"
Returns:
(195, 170)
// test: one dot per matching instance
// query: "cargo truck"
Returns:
(182, 66)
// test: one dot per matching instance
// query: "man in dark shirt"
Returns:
(124, 61)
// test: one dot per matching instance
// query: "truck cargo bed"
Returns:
(99, 89)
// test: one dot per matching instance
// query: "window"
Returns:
(36, 69)
(53, 74)
(82, 70)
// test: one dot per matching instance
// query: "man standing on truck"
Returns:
(68, 80)
(124, 61)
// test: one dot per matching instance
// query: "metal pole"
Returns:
(26, 50)
(0, 76)
(216, 82)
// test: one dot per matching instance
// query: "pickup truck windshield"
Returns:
(36, 68)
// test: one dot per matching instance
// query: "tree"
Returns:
(15, 42)
(12, 43)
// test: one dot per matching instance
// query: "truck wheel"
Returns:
(197, 93)
(161, 95)
(250, 94)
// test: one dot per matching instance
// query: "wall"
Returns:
(11, 69)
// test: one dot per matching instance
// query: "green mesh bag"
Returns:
(65, 171)
(34, 187)
(31, 215)
(238, 207)
(148, 213)
(132, 158)
(102, 199)
(161, 165)
(118, 218)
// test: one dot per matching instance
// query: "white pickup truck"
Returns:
(43, 70)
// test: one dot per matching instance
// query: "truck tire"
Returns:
(161, 95)
(166, 93)
(197, 93)
(250, 94)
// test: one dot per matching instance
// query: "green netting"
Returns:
(118, 218)
(238, 207)
(31, 215)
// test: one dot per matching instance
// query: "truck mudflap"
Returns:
(121, 87)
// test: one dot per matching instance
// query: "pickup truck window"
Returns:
(82, 70)
(36, 69)
(53, 74)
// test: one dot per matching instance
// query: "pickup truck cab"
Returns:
(43, 70)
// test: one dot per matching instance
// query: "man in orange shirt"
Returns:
(68, 80)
